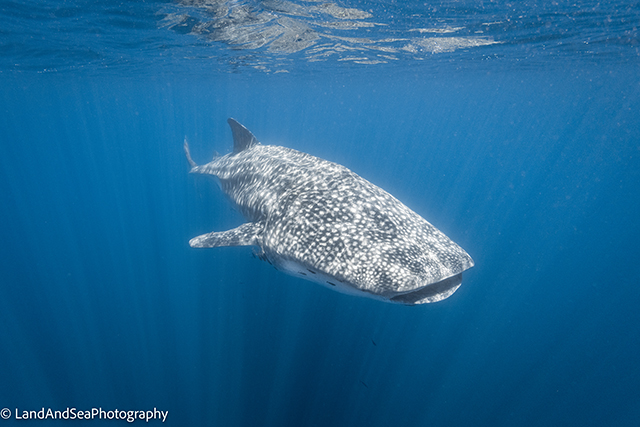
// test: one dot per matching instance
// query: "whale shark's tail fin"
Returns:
(188, 153)
(242, 137)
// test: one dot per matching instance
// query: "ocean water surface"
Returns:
(514, 128)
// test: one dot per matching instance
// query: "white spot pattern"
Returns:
(338, 227)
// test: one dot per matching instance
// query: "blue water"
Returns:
(526, 152)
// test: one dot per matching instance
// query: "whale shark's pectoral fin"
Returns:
(246, 235)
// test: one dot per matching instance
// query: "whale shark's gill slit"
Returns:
(300, 272)
(332, 284)
(311, 271)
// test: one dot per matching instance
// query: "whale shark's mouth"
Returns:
(431, 293)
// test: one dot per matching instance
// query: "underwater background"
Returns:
(514, 128)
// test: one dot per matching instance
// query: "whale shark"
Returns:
(319, 221)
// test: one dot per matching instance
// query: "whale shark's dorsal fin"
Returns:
(242, 138)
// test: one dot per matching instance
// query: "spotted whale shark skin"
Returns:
(319, 221)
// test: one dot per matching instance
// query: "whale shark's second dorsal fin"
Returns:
(242, 138)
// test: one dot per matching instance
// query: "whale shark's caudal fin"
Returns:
(242, 138)
(188, 153)
(245, 235)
